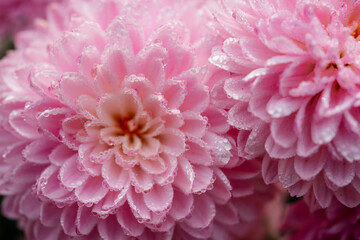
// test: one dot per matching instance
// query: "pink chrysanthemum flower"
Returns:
(108, 131)
(335, 222)
(294, 92)
(15, 15)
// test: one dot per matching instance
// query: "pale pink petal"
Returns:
(341, 173)
(321, 192)
(72, 86)
(197, 153)
(115, 176)
(309, 167)
(70, 176)
(181, 206)
(174, 92)
(110, 229)
(67, 220)
(172, 141)
(287, 174)
(49, 214)
(203, 213)
(149, 62)
(185, 176)
(269, 170)
(119, 60)
(203, 178)
(29, 205)
(128, 222)
(85, 220)
(241, 118)
(277, 151)
(38, 151)
(91, 191)
(282, 131)
(159, 198)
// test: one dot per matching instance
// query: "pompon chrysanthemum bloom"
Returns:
(335, 222)
(107, 130)
(294, 92)
(16, 15)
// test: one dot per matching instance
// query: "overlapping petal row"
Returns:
(17, 15)
(106, 123)
(294, 92)
(334, 222)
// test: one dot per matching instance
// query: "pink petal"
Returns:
(50, 186)
(180, 56)
(334, 100)
(348, 196)
(194, 125)
(119, 60)
(238, 89)
(88, 60)
(253, 142)
(203, 213)
(181, 206)
(50, 214)
(174, 92)
(227, 214)
(153, 166)
(282, 131)
(140, 179)
(241, 118)
(42, 78)
(138, 206)
(109, 229)
(65, 51)
(172, 141)
(60, 154)
(262, 91)
(279, 106)
(68, 218)
(277, 151)
(325, 129)
(85, 221)
(91, 191)
(270, 170)
(223, 61)
(221, 192)
(307, 168)
(106, 80)
(150, 62)
(197, 95)
(70, 176)
(50, 121)
(322, 193)
(159, 198)
(341, 173)
(38, 151)
(185, 176)
(305, 145)
(217, 119)
(254, 50)
(29, 205)
(115, 176)
(19, 124)
(347, 143)
(287, 174)
(197, 153)
(128, 222)
(204, 178)
(72, 86)
(125, 32)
